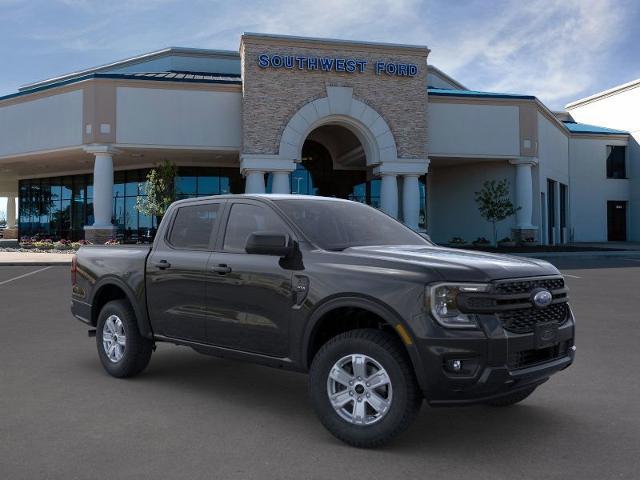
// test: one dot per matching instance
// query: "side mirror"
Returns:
(269, 243)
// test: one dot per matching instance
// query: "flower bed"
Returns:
(39, 245)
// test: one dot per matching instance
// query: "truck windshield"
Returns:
(333, 225)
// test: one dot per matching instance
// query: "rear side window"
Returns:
(246, 219)
(193, 226)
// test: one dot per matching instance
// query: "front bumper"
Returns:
(496, 362)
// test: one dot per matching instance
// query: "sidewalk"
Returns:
(34, 259)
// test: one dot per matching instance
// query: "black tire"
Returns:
(515, 397)
(137, 349)
(385, 349)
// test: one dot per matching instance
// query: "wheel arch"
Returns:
(330, 309)
(112, 288)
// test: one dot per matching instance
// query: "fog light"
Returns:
(461, 366)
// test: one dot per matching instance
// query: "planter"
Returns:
(507, 244)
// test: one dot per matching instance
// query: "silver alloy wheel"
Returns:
(114, 338)
(359, 389)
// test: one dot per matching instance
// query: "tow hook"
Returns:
(92, 332)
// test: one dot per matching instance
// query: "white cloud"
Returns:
(553, 49)
(556, 49)
(349, 19)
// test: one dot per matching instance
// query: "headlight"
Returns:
(444, 307)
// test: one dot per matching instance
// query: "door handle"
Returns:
(162, 264)
(222, 269)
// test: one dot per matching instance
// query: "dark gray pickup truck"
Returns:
(379, 316)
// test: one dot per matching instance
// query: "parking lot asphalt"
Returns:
(190, 416)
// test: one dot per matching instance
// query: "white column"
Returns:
(11, 212)
(389, 194)
(411, 201)
(524, 192)
(281, 183)
(103, 190)
(254, 181)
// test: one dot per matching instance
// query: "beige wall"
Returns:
(179, 117)
(473, 129)
(272, 96)
(45, 123)
(453, 211)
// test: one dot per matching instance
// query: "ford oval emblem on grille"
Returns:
(541, 298)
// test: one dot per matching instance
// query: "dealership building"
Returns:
(371, 122)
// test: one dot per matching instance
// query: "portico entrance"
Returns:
(333, 164)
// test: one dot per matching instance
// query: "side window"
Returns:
(616, 161)
(246, 219)
(193, 226)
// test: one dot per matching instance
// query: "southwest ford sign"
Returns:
(334, 64)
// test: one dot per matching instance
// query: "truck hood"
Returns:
(452, 264)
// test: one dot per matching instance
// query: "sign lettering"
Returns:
(331, 64)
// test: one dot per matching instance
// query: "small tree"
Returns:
(494, 203)
(159, 190)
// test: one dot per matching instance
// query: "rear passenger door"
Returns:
(177, 274)
(249, 296)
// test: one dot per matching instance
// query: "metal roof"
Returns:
(176, 75)
(131, 61)
(445, 92)
(186, 77)
(575, 127)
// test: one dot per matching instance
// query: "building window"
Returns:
(60, 207)
(616, 161)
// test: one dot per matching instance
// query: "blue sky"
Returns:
(558, 50)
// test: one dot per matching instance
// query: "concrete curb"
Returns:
(35, 264)
(30, 259)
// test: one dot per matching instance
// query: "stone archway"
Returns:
(340, 108)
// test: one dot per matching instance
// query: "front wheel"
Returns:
(122, 350)
(363, 388)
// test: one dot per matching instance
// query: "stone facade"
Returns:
(272, 96)
(10, 233)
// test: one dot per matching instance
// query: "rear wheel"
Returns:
(122, 350)
(515, 397)
(363, 388)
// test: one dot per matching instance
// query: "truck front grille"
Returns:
(524, 320)
(525, 286)
(511, 301)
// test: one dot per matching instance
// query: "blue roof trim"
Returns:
(227, 79)
(445, 92)
(575, 127)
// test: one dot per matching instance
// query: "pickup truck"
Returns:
(380, 317)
